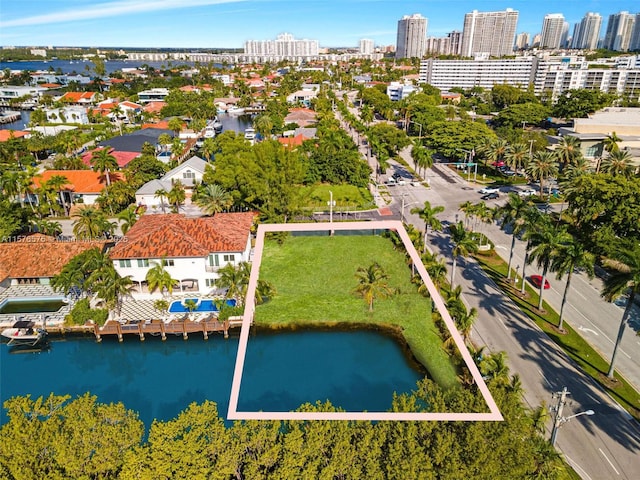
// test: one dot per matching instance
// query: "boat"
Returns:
(24, 333)
(235, 110)
(249, 134)
(217, 125)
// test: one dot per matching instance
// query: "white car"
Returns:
(527, 193)
(487, 190)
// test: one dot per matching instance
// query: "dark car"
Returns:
(490, 196)
(537, 281)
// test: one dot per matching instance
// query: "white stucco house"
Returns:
(192, 249)
(188, 173)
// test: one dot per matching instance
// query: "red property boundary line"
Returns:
(233, 413)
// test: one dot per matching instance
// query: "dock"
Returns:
(162, 329)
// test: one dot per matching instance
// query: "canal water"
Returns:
(356, 370)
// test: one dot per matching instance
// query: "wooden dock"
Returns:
(162, 329)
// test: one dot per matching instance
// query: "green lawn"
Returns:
(315, 278)
(347, 197)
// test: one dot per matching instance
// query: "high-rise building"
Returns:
(523, 41)
(587, 32)
(619, 30)
(491, 33)
(412, 35)
(449, 45)
(552, 29)
(283, 46)
(634, 44)
(366, 46)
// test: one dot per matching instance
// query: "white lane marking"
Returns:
(575, 466)
(544, 378)
(607, 458)
(501, 247)
(585, 329)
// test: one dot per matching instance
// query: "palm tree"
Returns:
(546, 247)
(57, 184)
(158, 278)
(235, 280)
(110, 286)
(176, 195)
(495, 366)
(542, 166)
(128, 217)
(568, 151)
(532, 221)
(625, 279)
(161, 193)
(463, 245)
(437, 270)
(102, 161)
(428, 214)
(496, 150)
(214, 199)
(264, 126)
(511, 214)
(617, 163)
(464, 323)
(48, 227)
(517, 156)
(572, 255)
(611, 143)
(209, 147)
(90, 223)
(422, 157)
(372, 284)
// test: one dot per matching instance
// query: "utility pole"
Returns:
(557, 419)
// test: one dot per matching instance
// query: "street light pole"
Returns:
(331, 210)
(559, 420)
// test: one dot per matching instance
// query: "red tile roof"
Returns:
(80, 181)
(175, 236)
(154, 107)
(122, 158)
(164, 125)
(7, 134)
(292, 141)
(39, 256)
(75, 97)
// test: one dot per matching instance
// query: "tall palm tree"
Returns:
(568, 151)
(625, 279)
(437, 269)
(214, 199)
(102, 161)
(176, 195)
(161, 193)
(48, 227)
(235, 280)
(571, 255)
(496, 150)
(90, 223)
(158, 278)
(545, 248)
(372, 284)
(542, 166)
(517, 156)
(428, 215)
(209, 147)
(533, 220)
(511, 214)
(110, 286)
(611, 143)
(617, 163)
(57, 184)
(463, 245)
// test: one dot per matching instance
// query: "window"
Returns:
(229, 258)
(189, 174)
(210, 282)
(143, 262)
(168, 263)
(591, 151)
(213, 260)
(124, 263)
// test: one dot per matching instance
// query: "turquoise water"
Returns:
(204, 306)
(356, 370)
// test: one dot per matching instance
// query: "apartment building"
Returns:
(491, 33)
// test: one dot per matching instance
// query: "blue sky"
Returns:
(229, 23)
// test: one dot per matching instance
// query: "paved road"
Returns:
(603, 446)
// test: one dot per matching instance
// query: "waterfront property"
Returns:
(329, 232)
(192, 250)
(201, 305)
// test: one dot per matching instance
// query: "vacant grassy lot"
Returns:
(315, 279)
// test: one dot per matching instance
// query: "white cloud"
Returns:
(110, 9)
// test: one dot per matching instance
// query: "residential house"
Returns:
(133, 142)
(80, 98)
(303, 117)
(189, 173)
(84, 186)
(69, 114)
(399, 91)
(35, 259)
(191, 249)
(122, 158)
(153, 95)
(304, 96)
(6, 135)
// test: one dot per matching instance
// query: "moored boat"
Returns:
(24, 333)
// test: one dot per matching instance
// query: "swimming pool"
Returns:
(177, 306)
(32, 305)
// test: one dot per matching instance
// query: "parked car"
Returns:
(527, 192)
(486, 190)
(498, 164)
(490, 196)
(507, 173)
(537, 281)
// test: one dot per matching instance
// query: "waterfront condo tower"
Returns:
(489, 33)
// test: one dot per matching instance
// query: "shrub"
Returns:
(82, 312)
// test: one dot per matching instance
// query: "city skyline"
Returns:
(230, 23)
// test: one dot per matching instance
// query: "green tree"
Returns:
(128, 217)
(90, 223)
(516, 156)
(463, 245)
(102, 161)
(512, 215)
(372, 284)
(617, 163)
(213, 199)
(624, 264)
(568, 151)
(158, 278)
(234, 279)
(177, 195)
(571, 256)
(428, 215)
(581, 102)
(162, 194)
(542, 166)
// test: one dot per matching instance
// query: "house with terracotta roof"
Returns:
(35, 259)
(6, 135)
(80, 98)
(302, 117)
(84, 186)
(192, 249)
(122, 158)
